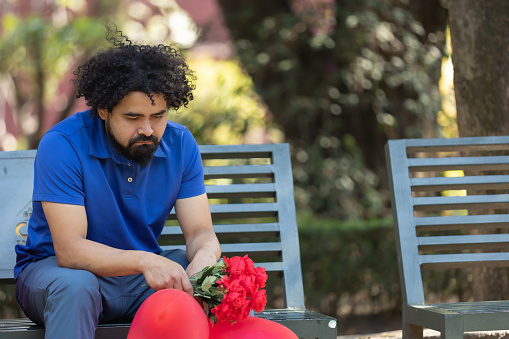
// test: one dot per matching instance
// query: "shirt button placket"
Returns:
(130, 179)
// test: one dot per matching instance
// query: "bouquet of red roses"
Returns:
(231, 289)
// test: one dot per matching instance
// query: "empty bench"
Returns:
(450, 207)
(250, 190)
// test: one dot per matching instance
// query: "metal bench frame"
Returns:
(243, 197)
(420, 207)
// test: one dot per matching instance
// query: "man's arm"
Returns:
(202, 246)
(68, 226)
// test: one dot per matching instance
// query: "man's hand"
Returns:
(161, 273)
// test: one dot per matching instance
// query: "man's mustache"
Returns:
(139, 138)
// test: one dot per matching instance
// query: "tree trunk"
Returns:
(480, 44)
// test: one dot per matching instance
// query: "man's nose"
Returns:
(145, 129)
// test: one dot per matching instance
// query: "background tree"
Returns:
(40, 45)
(340, 78)
(480, 43)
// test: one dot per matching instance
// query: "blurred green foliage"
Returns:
(37, 59)
(338, 94)
(21, 37)
(351, 267)
(225, 109)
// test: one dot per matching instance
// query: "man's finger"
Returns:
(187, 287)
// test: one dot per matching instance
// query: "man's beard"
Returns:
(142, 154)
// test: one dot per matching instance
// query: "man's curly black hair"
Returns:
(106, 78)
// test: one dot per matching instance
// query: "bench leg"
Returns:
(328, 332)
(451, 334)
(453, 328)
(411, 331)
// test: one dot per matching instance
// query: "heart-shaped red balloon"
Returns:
(250, 328)
(169, 314)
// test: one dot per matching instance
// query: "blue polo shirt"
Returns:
(126, 204)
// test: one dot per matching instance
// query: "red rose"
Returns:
(261, 277)
(249, 265)
(249, 284)
(235, 265)
(225, 280)
(234, 304)
(259, 301)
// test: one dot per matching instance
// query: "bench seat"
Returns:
(306, 323)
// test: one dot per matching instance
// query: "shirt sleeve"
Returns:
(58, 171)
(192, 175)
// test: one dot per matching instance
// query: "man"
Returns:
(105, 181)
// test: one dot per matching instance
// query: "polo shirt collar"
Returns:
(101, 146)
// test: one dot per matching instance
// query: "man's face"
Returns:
(136, 126)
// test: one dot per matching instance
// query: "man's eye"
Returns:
(158, 116)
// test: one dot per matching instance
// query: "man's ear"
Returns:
(103, 113)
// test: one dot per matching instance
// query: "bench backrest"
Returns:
(250, 189)
(450, 203)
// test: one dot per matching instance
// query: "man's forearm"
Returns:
(100, 259)
(202, 250)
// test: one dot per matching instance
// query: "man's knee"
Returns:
(73, 305)
(76, 285)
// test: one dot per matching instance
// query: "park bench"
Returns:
(250, 190)
(450, 207)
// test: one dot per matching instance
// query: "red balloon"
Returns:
(250, 328)
(169, 314)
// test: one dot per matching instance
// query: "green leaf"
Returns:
(203, 274)
(207, 283)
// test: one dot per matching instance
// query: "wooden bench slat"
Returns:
(456, 242)
(250, 207)
(461, 202)
(452, 144)
(466, 222)
(240, 171)
(270, 266)
(460, 183)
(232, 211)
(267, 247)
(257, 248)
(458, 260)
(6, 276)
(240, 188)
(272, 228)
(246, 210)
(235, 151)
(446, 164)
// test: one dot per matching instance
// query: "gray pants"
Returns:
(71, 303)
